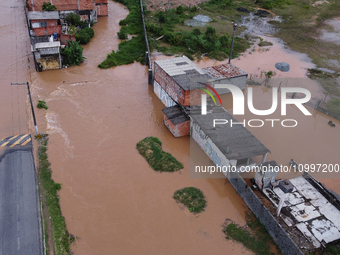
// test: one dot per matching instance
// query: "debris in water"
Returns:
(282, 66)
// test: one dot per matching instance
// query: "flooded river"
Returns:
(110, 197)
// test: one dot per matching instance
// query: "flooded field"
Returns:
(110, 197)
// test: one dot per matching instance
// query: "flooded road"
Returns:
(110, 197)
(15, 53)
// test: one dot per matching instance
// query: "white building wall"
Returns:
(208, 146)
(162, 95)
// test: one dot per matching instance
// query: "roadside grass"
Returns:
(42, 104)
(128, 50)
(254, 236)
(151, 149)
(60, 236)
(192, 198)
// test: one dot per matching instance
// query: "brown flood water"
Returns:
(110, 197)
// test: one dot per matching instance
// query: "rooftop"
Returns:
(175, 114)
(43, 15)
(44, 45)
(227, 70)
(309, 211)
(184, 72)
(242, 144)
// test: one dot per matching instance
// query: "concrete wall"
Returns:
(179, 130)
(207, 145)
(239, 81)
(64, 38)
(49, 63)
(102, 9)
(168, 85)
(42, 31)
(162, 95)
(283, 240)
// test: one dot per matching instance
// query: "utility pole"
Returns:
(33, 114)
(232, 42)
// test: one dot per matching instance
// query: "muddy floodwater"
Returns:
(110, 197)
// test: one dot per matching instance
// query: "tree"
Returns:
(73, 54)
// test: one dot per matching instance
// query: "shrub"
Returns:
(161, 17)
(42, 104)
(73, 54)
(47, 6)
(179, 9)
(122, 35)
(74, 19)
(267, 5)
(123, 22)
(196, 31)
(193, 9)
(192, 198)
(85, 35)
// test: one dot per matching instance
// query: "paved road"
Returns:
(19, 215)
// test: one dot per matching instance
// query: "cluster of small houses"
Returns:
(49, 31)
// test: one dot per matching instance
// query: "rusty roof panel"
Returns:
(224, 71)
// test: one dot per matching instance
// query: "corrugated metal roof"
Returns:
(175, 114)
(43, 45)
(43, 15)
(241, 142)
(227, 70)
(178, 66)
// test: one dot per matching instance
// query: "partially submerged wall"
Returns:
(280, 236)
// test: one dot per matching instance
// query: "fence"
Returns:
(280, 236)
(147, 54)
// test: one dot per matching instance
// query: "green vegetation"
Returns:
(74, 19)
(79, 28)
(84, 35)
(73, 54)
(192, 198)
(47, 6)
(333, 105)
(265, 43)
(178, 38)
(151, 149)
(42, 104)
(257, 239)
(332, 249)
(133, 49)
(60, 236)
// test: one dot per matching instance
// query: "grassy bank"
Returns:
(192, 198)
(151, 149)
(133, 49)
(254, 236)
(302, 27)
(169, 34)
(61, 238)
